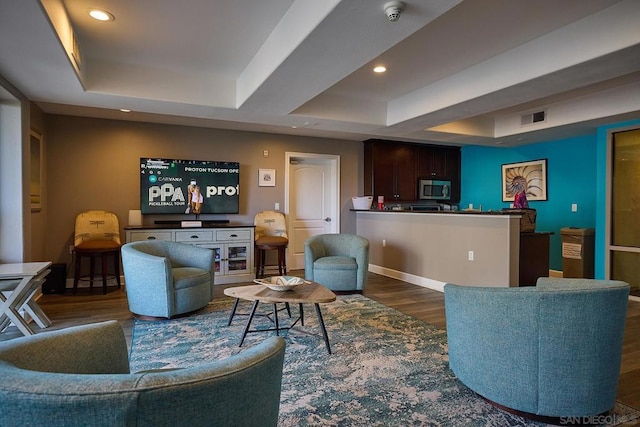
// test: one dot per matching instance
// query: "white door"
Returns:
(311, 200)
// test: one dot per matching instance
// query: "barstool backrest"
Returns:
(96, 225)
(270, 223)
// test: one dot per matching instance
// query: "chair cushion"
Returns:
(89, 245)
(272, 241)
(335, 263)
(186, 277)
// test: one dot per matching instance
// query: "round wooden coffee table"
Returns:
(308, 293)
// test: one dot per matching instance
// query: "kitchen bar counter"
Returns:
(437, 247)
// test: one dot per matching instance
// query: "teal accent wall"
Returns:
(571, 178)
(576, 173)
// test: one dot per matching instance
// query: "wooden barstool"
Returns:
(97, 235)
(266, 243)
(270, 234)
(93, 249)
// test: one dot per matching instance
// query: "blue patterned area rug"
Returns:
(387, 369)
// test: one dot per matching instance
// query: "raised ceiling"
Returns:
(458, 72)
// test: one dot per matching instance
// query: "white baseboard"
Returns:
(406, 277)
(424, 281)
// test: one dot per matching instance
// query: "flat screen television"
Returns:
(171, 186)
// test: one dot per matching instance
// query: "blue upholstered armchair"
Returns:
(80, 376)
(338, 261)
(166, 279)
(551, 350)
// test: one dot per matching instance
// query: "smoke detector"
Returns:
(393, 9)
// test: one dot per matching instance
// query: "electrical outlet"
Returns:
(70, 249)
(277, 206)
(384, 243)
(471, 255)
(574, 207)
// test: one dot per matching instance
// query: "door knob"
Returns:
(327, 219)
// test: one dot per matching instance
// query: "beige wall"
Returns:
(430, 249)
(94, 164)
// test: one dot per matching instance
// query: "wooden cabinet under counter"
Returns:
(534, 257)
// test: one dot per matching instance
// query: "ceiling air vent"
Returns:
(532, 118)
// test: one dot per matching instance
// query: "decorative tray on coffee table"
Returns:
(281, 283)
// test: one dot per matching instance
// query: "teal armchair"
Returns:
(551, 350)
(167, 279)
(80, 377)
(338, 261)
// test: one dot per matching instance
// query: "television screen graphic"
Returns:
(169, 186)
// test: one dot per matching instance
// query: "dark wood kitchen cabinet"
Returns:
(392, 169)
(442, 163)
(438, 162)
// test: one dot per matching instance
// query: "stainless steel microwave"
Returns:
(429, 189)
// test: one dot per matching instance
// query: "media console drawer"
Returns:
(136, 236)
(226, 235)
(194, 236)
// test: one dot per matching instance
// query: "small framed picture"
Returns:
(266, 177)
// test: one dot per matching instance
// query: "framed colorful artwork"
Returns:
(530, 176)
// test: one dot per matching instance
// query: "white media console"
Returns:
(233, 245)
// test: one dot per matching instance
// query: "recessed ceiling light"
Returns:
(101, 15)
(379, 69)
(125, 110)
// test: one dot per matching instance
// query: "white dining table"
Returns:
(18, 285)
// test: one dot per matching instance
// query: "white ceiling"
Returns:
(459, 72)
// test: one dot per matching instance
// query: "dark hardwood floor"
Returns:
(89, 306)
